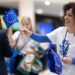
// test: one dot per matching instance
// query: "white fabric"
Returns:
(46, 72)
(57, 36)
(21, 39)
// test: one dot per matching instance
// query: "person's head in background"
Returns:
(26, 22)
(69, 15)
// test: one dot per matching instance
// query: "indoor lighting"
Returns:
(47, 3)
(39, 11)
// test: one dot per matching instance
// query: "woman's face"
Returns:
(69, 18)
(26, 23)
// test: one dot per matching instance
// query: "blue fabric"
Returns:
(11, 62)
(53, 61)
(39, 38)
(73, 61)
(10, 18)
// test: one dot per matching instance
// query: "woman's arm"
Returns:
(39, 38)
(35, 36)
(10, 37)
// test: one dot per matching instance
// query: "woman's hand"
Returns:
(28, 51)
(26, 31)
(66, 60)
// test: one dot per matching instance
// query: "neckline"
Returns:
(69, 33)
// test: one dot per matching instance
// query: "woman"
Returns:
(25, 46)
(63, 37)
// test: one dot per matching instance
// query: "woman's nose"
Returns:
(26, 26)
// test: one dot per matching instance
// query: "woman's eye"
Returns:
(70, 15)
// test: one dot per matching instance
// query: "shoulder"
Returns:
(56, 32)
(17, 33)
(60, 28)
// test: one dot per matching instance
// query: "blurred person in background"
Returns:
(22, 42)
(5, 50)
(63, 37)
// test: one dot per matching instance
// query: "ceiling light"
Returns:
(39, 11)
(47, 3)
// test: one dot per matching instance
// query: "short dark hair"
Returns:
(69, 6)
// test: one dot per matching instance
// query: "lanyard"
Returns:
(65, 48)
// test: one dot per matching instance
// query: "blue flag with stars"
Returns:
(10, 18)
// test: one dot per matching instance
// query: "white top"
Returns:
(21, 40)
(57, 36)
